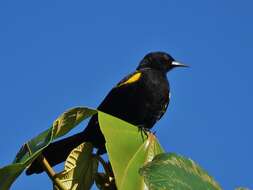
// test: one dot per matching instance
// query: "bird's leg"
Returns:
(144, 131)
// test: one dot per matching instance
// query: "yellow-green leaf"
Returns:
(30, 150)
(128, 150)
(80, 168)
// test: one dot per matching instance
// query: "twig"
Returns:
(50, 172)
(104, 164)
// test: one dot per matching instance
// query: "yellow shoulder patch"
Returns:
(132, 79)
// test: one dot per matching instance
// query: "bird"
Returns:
(141, 98)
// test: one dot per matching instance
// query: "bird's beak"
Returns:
(178, 64)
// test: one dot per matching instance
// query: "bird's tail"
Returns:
(58, 152)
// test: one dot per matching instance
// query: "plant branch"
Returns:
(50, 172)
(104, 164)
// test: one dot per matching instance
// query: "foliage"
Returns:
(136, 159)
(32, 149)
(80, 169)
(129, 153)
(171, 171)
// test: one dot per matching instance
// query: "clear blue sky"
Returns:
(58, 54)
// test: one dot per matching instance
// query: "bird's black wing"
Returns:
(123, 97)
(121, 93)
(119, 102)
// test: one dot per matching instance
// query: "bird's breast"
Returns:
(153, 97)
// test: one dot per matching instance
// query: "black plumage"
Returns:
(140, 98)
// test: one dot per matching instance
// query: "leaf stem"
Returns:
(104, 164)
(50, 172)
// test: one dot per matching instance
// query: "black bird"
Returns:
(141, 98)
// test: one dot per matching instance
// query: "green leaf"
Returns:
(80, 168)
(30, 150)
(128, 150)
(171, 171)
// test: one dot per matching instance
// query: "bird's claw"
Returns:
(144, 131)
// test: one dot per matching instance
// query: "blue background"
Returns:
(58, 54)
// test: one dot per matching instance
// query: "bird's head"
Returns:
(159, 61)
